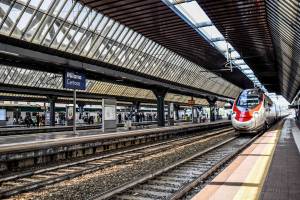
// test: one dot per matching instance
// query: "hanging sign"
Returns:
(74, 80)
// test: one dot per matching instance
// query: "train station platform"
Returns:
(60, 134)
(6, 141)
(43, 129)
(57, 132)
(30, 149)
(18, 130)
(267, 169)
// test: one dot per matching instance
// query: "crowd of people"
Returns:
(136, 117)
(37, 119)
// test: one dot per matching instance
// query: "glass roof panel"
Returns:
(221, 45)
(239, 62)
(45, 5)
(235, 55)
(242, 67)
(193, 12)
(248, 71)
(211, 32)
(33, 3)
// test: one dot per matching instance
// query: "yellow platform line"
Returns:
(245, 176)
(259, 172)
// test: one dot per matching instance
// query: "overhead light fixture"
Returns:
(9, 53)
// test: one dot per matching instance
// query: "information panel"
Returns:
(109, 112)
(74, 80)
(69, 112)
(2, 114)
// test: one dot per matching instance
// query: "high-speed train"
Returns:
(253, 111)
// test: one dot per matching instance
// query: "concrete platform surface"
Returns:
(59, 128)
(34, 137)
(6, 141)
(24, 151)
(283, 180)
(244, 177)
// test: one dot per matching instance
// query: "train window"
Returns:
(249, 99)
(266, 103)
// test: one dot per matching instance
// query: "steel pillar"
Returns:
(160, 94)
(176, 110)
(212, 104)
(52, 100)
(171, 114)
(136, 108)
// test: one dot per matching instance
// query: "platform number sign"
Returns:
(74, 80)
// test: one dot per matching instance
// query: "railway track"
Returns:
(176, 180)
(34, 179)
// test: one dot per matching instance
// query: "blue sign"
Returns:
(74, 80)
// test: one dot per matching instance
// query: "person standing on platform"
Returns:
(38, 119)
(27, 121)
(119, 118)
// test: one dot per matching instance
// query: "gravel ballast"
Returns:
(91, 185)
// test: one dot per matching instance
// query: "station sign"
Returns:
(74, 80)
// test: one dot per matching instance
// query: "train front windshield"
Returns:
(249, 99)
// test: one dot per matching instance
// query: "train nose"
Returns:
(243, 125)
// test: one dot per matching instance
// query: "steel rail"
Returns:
(186, 188)
(134, 185)
(93, 164)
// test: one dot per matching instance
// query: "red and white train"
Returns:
(253, 111)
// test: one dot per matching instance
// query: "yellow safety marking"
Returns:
(259, 171)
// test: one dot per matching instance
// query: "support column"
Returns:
(176, 110)
(109, 110)
(171, 114)
(52, 100)
(195, 114)
(212, 103)
(136, 108)
(200, 113)
(217, 112)
(81, 110)
(160, 94)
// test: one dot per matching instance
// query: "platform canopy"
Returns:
(27, 78)
(265, 33)
(156, 21)
(71, 28)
